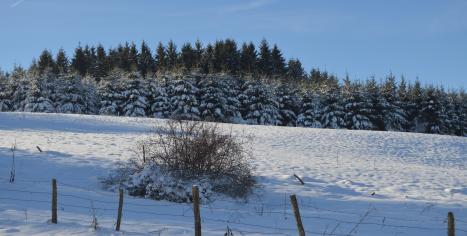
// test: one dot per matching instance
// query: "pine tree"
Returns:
(311, 111)
(394, 116)
(208, 61)
(102, 65)
(5, 94)
(357, 109)
(37, 97)
(414, 107)
(295, 70)
(248, 58)
(432, 117)
(133, 58)
(46, 62)
(187, 57)
(259, 105)
(79, 61)
(183, 99)
(277, 62)
(146, 62)
(199, 51)
(264, 61)
(134, 100)
(62, 63)
(111, 94)
(213, 99)
(159, 100)
(172, 56)
(71, 96)
(161, 58)
(333, 111)
(289, 104)
(376, 103)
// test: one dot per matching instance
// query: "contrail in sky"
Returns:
(16, 3)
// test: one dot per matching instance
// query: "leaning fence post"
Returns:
(451, 225)
(298, 218)
(54, 201)
(120, 208)
(196, 212)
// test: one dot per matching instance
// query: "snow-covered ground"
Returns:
(356, 182)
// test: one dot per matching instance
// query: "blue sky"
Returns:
(425, 38)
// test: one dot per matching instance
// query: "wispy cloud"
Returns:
(248, 6)
(17, 3)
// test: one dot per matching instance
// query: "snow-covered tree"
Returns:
(432, 116)
(289, 104)
(134, 100)
(183, 99)
(333, 111)
(159, 100)
(213, 100)
(5, 94)
(37, 99)
(356, 107)
(394, 116)
(310, 111)
(111, 96)
(71, 95)
(259, 105)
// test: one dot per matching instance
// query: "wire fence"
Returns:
(237, 218)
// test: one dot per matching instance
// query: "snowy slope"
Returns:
(416, 179)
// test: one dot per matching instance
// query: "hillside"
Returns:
(356, 182)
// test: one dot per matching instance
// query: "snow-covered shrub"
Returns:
(186, 153)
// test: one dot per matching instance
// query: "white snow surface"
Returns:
(356, 182)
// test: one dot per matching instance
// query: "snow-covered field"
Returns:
(356, 182)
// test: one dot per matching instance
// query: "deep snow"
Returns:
(356, 182)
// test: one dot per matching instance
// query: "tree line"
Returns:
(224, 84)
(223, 56)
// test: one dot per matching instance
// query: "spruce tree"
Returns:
(357, 109)
(277, 62)
(45, 62)
(79, 61)
(187, 56)
(248, 58)
(310, 111)
(394, 116)
(161, 58)
(71, 96)
(432, 114)
(183, 98)
(102, 65)
(5, 94)
(146, 62)
(264, 61)
(258, 104)
(159, 100)
(134, 96)
(295, 70)
(62, 62)
(37, 99)
(212, 99)
(289, 104)
(172, 56)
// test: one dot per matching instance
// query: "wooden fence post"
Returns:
(298, 218)
(120, 208)
(451, 225)
(54, 201)
(144, 155)
(196, 212)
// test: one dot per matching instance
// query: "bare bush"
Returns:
(192, 149)
(182, 153)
